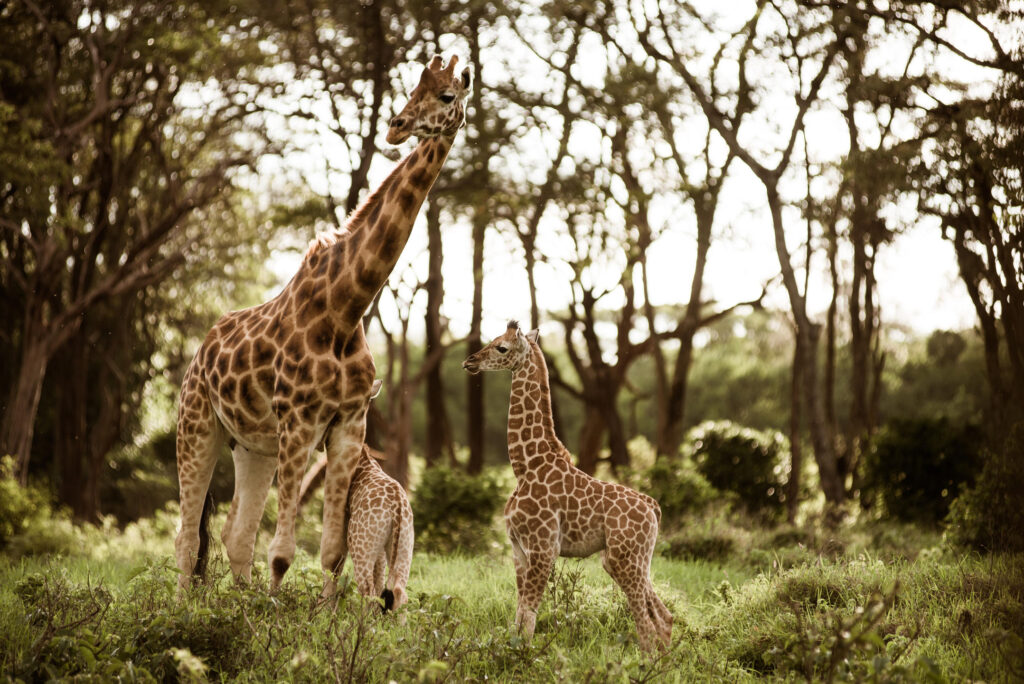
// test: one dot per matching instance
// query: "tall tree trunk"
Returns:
(475, 413)
(591, 438)
(671, 436)
(71, 432)
(618, 453)
(795, 447)
(808, 333)
(439, 440)
(23, 403)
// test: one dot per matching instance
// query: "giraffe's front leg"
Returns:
(296, 441)
(540, 549)
(344, 445)
(519, 559)
(253, 476)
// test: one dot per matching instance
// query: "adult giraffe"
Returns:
(276, 380)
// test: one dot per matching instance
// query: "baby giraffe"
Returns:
(557, 509)
(379, 531)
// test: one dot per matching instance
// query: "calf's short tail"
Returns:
(389, 600)
(203, 555)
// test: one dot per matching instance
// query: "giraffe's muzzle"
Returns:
(471, 366)
(398, 131)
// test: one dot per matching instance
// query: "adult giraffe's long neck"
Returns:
(358, 265)
(531, 429)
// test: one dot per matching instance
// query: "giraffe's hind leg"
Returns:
(253, 477)
(400, 557)
(632, 579)
(344, 445)
(660, 616)
(199, 440)
(296, 441)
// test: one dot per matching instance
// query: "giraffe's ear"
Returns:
(533, 335)
(375, 388)
(467, 78)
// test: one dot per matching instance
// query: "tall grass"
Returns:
(870, 602)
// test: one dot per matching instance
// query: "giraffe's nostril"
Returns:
(397, 122)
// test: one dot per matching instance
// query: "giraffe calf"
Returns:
(380, 531)
(557, 509)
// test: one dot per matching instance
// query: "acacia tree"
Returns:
(110, 168)
(972, 186)
(822, 34)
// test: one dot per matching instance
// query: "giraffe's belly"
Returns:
(580, 536)
(258, 436)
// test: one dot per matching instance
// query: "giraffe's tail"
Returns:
(203, 555)
(399, 555)
(389, 600)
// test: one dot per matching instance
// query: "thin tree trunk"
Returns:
(72, 426)
(795, 447)
(439, 441)
(23, 404)
(808, 332)
(591, 437)
(475, 413)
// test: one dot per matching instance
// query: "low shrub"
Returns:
(988, 516)
(454, 511)
(916, 468)
(19, 506)
(712, 547)
(678, 488)
(750, 463)
(29, 523)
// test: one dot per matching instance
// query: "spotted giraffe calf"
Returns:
(380, 531)
(557, 509)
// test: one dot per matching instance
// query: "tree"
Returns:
(822, 33)
(111, 170)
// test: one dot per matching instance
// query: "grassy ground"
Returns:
(871, 603)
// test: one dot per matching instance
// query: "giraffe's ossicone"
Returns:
(557, 509)
(276, 380)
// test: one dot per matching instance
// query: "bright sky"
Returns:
(918, 282)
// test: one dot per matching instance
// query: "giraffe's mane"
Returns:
(325, 239)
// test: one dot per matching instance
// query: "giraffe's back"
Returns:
(256, 364)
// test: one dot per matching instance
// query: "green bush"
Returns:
(916, 467)
(988, 516)
(750, 463)
(29, 524)
(678, 488)
(19, 506)
(454, 511)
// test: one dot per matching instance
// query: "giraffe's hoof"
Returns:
(279, 566)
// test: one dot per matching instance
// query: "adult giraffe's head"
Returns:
(508, 351)
(435, 105)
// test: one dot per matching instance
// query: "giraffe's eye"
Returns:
(502, 350)
(447, 98)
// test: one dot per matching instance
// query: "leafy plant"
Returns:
(989, 516)
(678, 487)
(454, 511)
(748, 462)
(916, 468)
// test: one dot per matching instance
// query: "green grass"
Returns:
(886, 614)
